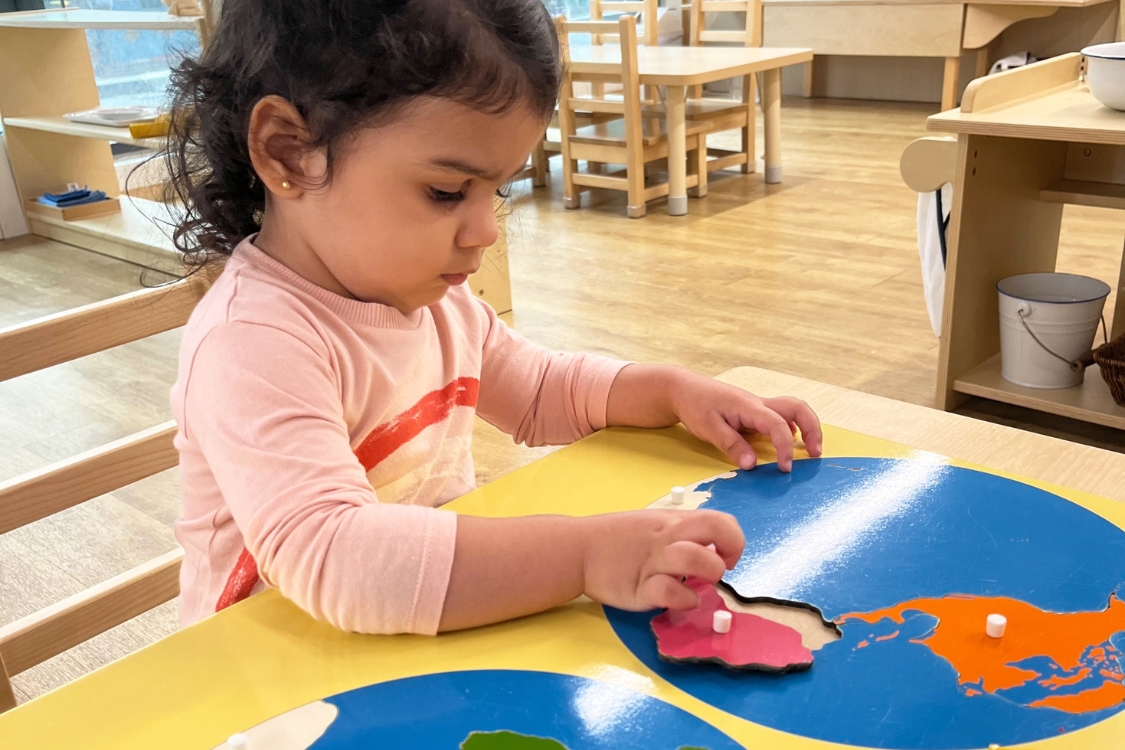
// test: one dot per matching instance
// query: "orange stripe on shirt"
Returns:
(432, 408)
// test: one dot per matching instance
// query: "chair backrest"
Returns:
(928, 163)
(30, 497)
(647, 10)
(749, 36)
(625, 73)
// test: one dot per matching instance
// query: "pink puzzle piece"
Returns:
(753, 643)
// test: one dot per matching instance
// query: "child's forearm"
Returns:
(510, 567)
(642, 396)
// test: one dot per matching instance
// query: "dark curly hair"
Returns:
(344, 64)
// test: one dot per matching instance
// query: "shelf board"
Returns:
(1083, 193)
(130, 235)
(1089, 402)
(98, 19)
(64, 126)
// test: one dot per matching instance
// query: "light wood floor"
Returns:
(816, 277)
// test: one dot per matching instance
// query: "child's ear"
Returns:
(281, 151)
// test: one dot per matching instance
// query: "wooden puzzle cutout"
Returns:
(751, 643)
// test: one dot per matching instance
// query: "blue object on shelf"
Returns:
(72, 198)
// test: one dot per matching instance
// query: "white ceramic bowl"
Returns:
(1105, 73)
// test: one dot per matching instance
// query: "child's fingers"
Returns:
(666, 592)
(689, 560)
(731, 442)
(798, 412)
(768, 422)
(703, 527)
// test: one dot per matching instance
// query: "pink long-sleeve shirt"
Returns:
(318, 436)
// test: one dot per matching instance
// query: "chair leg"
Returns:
(749, 133)
(699, 163)
(541, 165)
(572, 197)
(636, 201)
(7, 696)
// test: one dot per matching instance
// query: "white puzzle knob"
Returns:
(995, 625)
(721, 620)
(678, 495)
(238, 741)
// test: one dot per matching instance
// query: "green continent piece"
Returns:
(505, 740)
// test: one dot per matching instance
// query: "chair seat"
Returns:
(699, 109)
(613, 133)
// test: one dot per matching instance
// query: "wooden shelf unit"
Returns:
(63, 126)
(47, 73)
(1031, 133)
(1089, 402)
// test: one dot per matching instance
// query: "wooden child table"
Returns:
(903, 28)
(263, 657)
(1029, 141)
(680, 67)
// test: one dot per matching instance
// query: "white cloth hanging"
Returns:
(931, 243)
(1017, 60)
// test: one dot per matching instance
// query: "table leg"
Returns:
(950, 82)
(998, 227)
(677, 151)
(771, 109)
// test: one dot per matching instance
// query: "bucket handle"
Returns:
(1077, 365)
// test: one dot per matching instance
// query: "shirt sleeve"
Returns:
(540, 397)
(265, 409)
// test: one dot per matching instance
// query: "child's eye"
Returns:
(444, 196)
(504, 192)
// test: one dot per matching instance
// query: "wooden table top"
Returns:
(1068, 113)
(264, 656)
(688, 66)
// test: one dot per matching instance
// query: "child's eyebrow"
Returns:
(457, 165)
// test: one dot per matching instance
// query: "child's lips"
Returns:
(454, 279)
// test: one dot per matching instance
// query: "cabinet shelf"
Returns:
(1089, 402)
(135, 234)
(63, 126)
(1083, 193)
(81, 18)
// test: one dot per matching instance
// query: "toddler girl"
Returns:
(345, 155)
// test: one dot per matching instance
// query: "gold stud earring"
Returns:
(287, 184)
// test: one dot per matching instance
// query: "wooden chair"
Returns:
(725, 114)
(632, 140)
(38, 494)
(928, 163)
(649, 31)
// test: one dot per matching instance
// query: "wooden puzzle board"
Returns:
(264, 657)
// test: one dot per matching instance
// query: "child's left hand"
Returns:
(721, 414)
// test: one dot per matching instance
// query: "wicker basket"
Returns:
(1111, 361)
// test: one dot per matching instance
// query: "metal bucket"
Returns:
(1047, 324)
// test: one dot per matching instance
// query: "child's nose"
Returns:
(480, 229)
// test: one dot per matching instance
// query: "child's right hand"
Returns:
(637, 561)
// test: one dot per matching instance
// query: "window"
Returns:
(132, 67)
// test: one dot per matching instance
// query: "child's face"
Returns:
(409, 210)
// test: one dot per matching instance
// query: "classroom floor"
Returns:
(817, 277)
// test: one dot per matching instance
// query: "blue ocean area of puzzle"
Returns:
(861, 534)
(442, 710)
